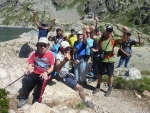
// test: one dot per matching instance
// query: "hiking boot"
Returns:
(22, 102)
(84, 84)
(108, 92)
(34, 101)
(96, 90)
(89, 105)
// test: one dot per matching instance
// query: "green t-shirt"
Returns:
(109, 50)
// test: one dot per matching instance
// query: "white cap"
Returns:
(43, 40)
(79, 33)
(64, 44)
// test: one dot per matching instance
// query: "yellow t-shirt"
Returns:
(72, 39)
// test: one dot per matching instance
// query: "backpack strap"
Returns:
(113, 45)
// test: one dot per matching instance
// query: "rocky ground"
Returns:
(57, 97)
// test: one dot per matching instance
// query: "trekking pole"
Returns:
(16, 80)
(13, 82)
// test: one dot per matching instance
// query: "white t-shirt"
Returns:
(65, 69)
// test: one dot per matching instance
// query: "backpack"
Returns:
(113, 44)
(25, 51)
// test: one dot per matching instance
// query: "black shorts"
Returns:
(104, 67)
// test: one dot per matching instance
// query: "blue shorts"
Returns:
(105, 66)
(70, 81)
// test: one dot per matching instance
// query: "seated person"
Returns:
(61, 68)
(43, 61)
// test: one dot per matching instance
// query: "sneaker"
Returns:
(108, 92)
(96, 90)
(89, 105)
(22, 102)
(34, 101)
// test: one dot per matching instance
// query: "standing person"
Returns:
(71, 39)
(95, 35)
(61, 68)
(107, 42)
(126, 50)
(59, 36)
(43, 61)
(43, 31)
(80, 58)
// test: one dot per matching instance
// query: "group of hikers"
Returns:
(74, 50)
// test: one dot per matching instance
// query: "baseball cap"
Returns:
(79, 33)
(109, 28)
(72, 30)
(44, 24)
(64, 44)
(129, 33)
(97, 29)
(43, 40)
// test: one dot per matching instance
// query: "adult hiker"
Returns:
(126, 50)
(71, 38)
(58, 38)
(106, 57)
(43, 31)
(43, 61)
(61, 68)
(95, 35)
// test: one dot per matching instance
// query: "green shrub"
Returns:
(138, 84)
(4, 101)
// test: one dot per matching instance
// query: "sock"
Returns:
(85, 100)
(109, 87)
(98, 86)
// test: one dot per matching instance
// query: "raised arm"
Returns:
(52, 24)
(139, 37)
(84, 35)
(92, 32)
(124, 37)
(35, 19)
(96, 24)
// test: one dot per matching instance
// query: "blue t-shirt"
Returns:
(89, 46)
(42, 32)
(80, 48)
(126, 46)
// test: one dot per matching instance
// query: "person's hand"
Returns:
(124, 28)
(84, 29)
(127, 54)
(96, 18)
(76, 61)
(94, 50)
(139, 35)
(54, 19)
(44, 76)
(34, 13)
(67, 57)
(91, 28)
(27, 72)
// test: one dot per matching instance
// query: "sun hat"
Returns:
(43, 40)
(64, 44)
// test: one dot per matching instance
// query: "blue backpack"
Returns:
(55, 50)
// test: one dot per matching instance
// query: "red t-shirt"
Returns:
(42, 62)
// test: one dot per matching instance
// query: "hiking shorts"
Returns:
(70, 81)
(105, 67)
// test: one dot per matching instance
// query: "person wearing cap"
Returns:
(126, 50)
(61, 68)
(43, 61)
(80, 59)
(43, 31)
(107, 43)
(58, 38)
(71, 39)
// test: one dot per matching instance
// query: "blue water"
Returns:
(9, 33)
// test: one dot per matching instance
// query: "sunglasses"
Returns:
(42, 45)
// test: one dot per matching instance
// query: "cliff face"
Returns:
(132, 13)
